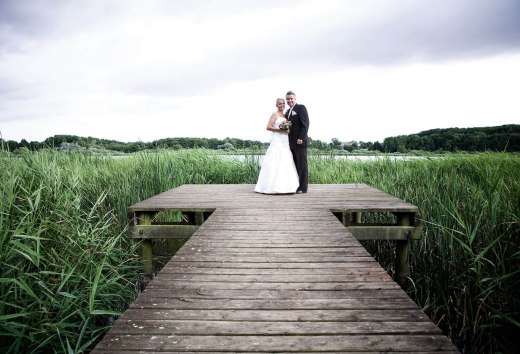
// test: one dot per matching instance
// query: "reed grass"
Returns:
(67, 268)
(466, 269)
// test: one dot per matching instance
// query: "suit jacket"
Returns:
(300, 125)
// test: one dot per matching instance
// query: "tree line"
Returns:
(70, 142)
(505, 138)
(497, 138)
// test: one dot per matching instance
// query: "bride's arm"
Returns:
(271, 122)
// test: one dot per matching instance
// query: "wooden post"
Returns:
(346, 218)
(193, 217)
(146, 248)
(357, 216)
(199, 218)
(403, 252)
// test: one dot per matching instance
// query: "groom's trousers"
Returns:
(300, 160)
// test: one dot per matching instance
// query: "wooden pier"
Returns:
(275, 273)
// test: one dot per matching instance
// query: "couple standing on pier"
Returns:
(284, 167)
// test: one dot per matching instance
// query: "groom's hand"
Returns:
(299, 141)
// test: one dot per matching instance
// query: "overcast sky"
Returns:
(145, 70)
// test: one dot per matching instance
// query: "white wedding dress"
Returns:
(278, 174)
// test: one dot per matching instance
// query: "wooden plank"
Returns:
(344, 271)
(269, 327)
(269, 243)
(320, 315)
(271, 343)
(162, 231)
(270, 258)
(177, 264)
(147, 301)
(280, 251)
(317, 235)
(203, 278)
(383, 232)
(208, 293)
(115, 351)
(347, 284)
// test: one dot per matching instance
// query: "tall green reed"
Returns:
(68, 269)
(471, 209)
(65, 270)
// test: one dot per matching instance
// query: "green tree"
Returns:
(335, 143)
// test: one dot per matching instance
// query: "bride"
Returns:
(278, 173)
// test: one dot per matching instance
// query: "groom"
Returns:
(297, 114)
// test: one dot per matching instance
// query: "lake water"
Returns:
(336, 157)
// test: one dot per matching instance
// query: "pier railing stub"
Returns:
(403, 227)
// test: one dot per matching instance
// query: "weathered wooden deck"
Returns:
(272, 273)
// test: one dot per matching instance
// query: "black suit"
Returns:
(300, 126)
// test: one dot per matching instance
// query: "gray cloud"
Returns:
(425, 31)
(25, 17)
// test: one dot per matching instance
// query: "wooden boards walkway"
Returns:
(273, 273)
